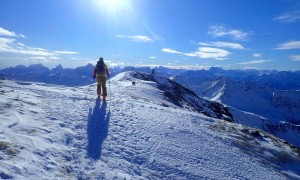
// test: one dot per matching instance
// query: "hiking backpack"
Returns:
(100, 68)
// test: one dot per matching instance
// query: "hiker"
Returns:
(99, 73)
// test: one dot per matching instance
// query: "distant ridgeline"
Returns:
(284, 80)
(58, 75)
(69, 76)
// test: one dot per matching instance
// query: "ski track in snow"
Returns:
(59, 132)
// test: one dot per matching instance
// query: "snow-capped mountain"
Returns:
(141, 132)
(58, 75)
(265, 106)
(281, 80)
(72, 77)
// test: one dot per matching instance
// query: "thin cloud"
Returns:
(167, 50)
(250, 67)
(193, 54)
(288, 45)
(254, 62)
(289, 17)
(21, 44)
(152, 57)
(88, 60)
(158, 38)
(65, 52)
(10, 45)
(257, 55)
(295, 57)
(204, 53)
(43, 58)
(136, 38)
(5, 43)
(223, 45)
(93, 61)
(5, 32)
(186, 67)
(54, 58)
(116, 64)
(22, 36)
(214, 53)
(222, 31)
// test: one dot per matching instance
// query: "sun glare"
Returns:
(113, 5)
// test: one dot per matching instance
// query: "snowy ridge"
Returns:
(58, 132)
(183, 97)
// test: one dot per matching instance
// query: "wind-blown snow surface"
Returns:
(58, 132)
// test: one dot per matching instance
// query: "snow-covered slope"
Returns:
(273, 110)
(58, 132)
(273, 104)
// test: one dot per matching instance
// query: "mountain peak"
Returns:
(216, 69)
(59, 67)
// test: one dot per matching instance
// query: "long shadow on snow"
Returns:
(97, 129)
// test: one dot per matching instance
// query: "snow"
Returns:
(252, 103)
(59, 132)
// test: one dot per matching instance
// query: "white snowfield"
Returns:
(57, 132)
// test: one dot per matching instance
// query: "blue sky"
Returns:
(190, 34)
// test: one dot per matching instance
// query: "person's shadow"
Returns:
(97, 129)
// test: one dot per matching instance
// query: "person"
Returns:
(153, 71)
(99, 72)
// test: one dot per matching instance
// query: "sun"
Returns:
(113, 5)
(113, 2)
(114, 11)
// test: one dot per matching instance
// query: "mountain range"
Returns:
(263, 99)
